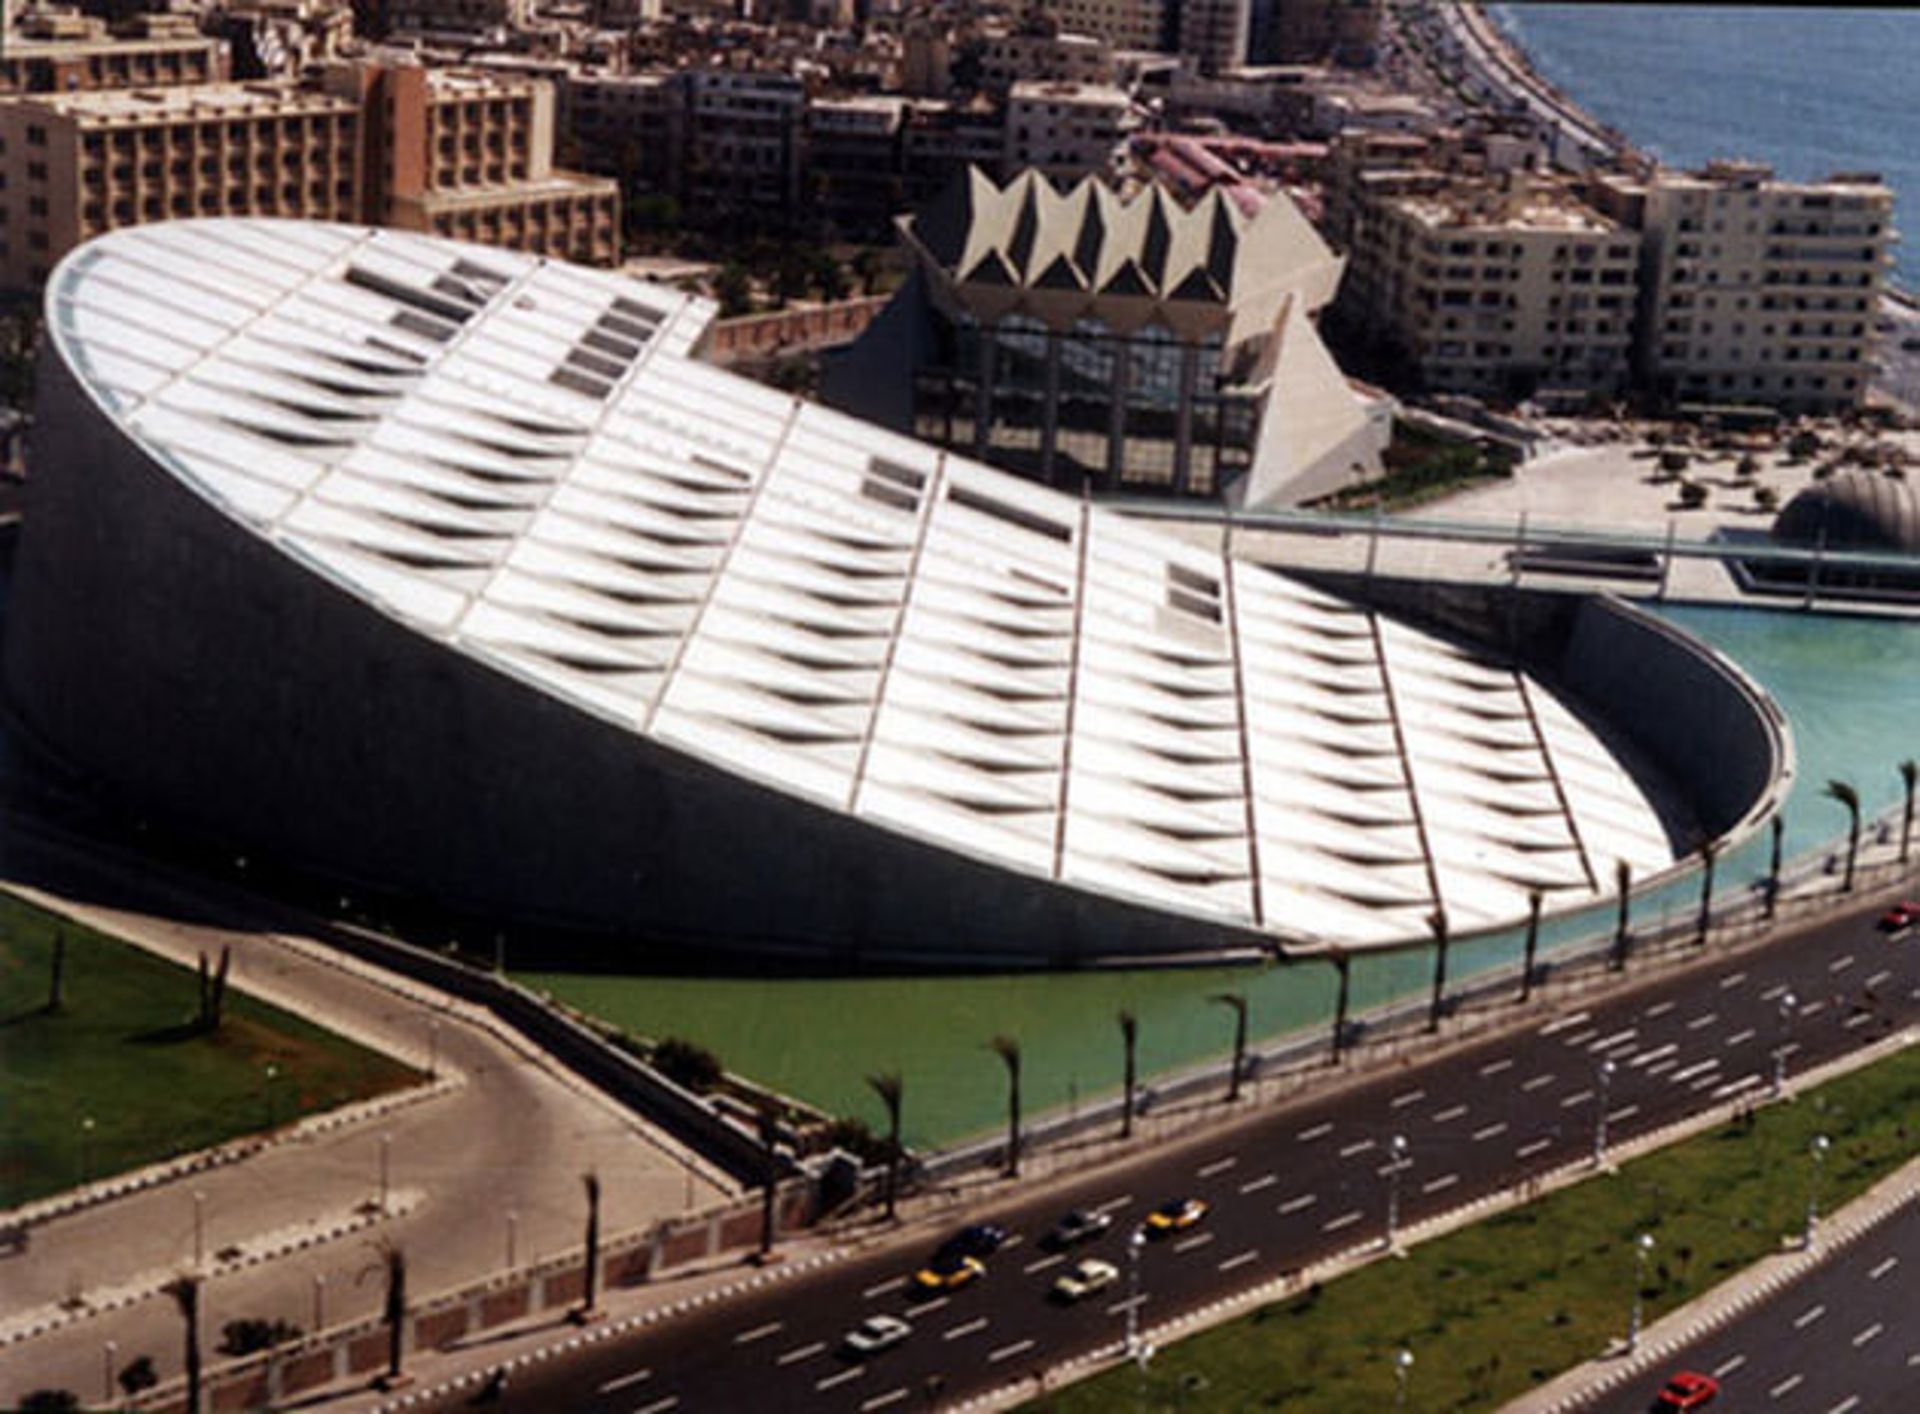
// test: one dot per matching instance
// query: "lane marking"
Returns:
(832, 1380)
(1120, 1308)
(926, 1307)
(1007, 1352)
(1698, 1068)
(1808, 1317)
(1705, 1019)
(1883, 1268)
(1846, 1406)
(1451, 1112)
(1625, 1112)
(1527, 1151)
(1344, 1220)
(1434, 1185)
(1870, 1333)
(1294, 1205)
(965, 1329)
(1841, 964)
(1734, 1087)
(1575, 1100)
(1877, 978)
(1727, 1367)
(1359, 1148)
(1607, 1043)
(1537, 1081)
(1411, 1097)
(1659, 1053)
(881, 1401)
(1218, 1166)
(1787, 1386)
(633, 1379)
(1254, 1185)
(759, 1333)
(1040, 1266)
(1188, 1244)
(1240, 1259)
(1495, 1067)
(1318, 1131)
(660, 1406)
(1732, 980)
(1580, 1038)
(801, 1352)
(1565, 1023)
(1114, 1205)
(1666, 1065)
(1859, 1018)
(1490, 1131)
(1658, 1009)
(881, 1290)
(1740, 1038)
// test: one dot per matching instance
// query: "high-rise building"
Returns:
(1068, 130)
(1125, 24)
(52, 51)
(1214, 33)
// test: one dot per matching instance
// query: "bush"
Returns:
(1748, 466)
(1673, 461)
(1766, 498)
(50, 1401)
(856, 1138)
(687, 1063)
(1802, 446)
(1693, 495)
(250, 1334)
(138, 1375)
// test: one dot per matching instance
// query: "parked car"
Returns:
(1076, 1227)
(1084, 1278)
(1686, 1391)
(875, 1334)
(1900, 917)
(1176, 1215)
(949, 1271)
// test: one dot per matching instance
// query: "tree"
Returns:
(767, 1115)
(185, 1291)
(1709, 851)
(50, 1401)
(1129, 1045)
(1778, 829)
(1847, 796)
(1534, 899)
(1343, 999)
(866, 269)
(829, 276)
(688, 1064)
(213, 990)
(1008, 1050)
(252, 1333)
(1623, 884)
(1909, 777)
(1437, 923)
(57, 985)
(733, 288)
(1237, 1003)
(591, 1285)
(393, 1308)
(889, 1086)
(137, 1375)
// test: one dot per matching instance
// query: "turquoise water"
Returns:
(1847, 684)
(1809, 89)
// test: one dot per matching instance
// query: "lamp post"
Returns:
(513, 1238)
(199, 1229)
(1135, 1241)
(86, 1147)
(386, 1151)
(107, 1352)
(433, 1048)
(1600, 1114)
(1789, 1006)
(319, 1301)
(1818, 1151)
(1642, 1249)
(1402, 1370)
(273, 1074)
(1398, 1148)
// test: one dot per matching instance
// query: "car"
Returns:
(1076, 1227)
(1176, 1215)
(1084, 1278)
(949, 1271)
(875, 1334)
(1686, 1390)
(980, 1240)
(1900, 917)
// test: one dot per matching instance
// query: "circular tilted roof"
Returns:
(1853, 510)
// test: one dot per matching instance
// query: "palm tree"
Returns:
(1237, 1001)
(591, 1181)
(1709, 851)
(393, 1308)
(1779, 830)
(768, 1117)
(1535, 898)
(185, 1291)
(1343, 964)
(1909, 777)
(1008, 1050)
(1437, 921)
(1850, 798)
(890, 1087)
(1129, 1042)
(1622, 938)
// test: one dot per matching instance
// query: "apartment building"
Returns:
(448, 16)
(469, 154)
(942, 139)
(1068, 130)
(627, 126)
(73, 165)
(853, 167)
(1310, 31)
(1757, 289)
(51, 51)
(1007, 59)
(1214, 33)
(1125, 24)
(1500, 288)
(744, 139)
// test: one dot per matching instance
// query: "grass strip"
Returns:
(1493, 1310)
(121, 1077)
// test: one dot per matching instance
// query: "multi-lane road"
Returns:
(1288, 1186)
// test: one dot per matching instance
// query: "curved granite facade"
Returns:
(452, 571)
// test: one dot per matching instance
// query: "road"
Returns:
(1290, 1186)
(1839, 1341)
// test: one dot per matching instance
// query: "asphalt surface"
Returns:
(1839, 1341)
(1292, 1186)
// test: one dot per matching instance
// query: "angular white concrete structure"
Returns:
(455, 571)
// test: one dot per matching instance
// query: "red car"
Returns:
(1686, 1390)
(1900, 917)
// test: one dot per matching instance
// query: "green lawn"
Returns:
(1493, 1310)
(122, 1053)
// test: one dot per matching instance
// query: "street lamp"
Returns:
(1402, 1369)
(199, 1229)
(1600, 1114)
(1136, 1240)
(86, 1147)
(513, 1237)
(107, 1352)
(273, 1074)
(1789, 1007)
(1399, 1150)
(1642, 1249)
(433, 1048)
(386, 1151)
(1818, 1149)
(319, 1301)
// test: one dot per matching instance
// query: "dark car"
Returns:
(1076, 1227)
(980, 1240)
(1686, 1391)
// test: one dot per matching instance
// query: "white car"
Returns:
(875, 1334)
(1084, 1278)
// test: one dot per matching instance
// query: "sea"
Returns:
(1811, 90)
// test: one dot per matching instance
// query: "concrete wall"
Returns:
(207, 679)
